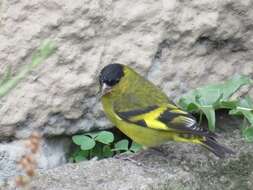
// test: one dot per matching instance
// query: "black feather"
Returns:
(136, 112)
(212, 145)
(111, 74)
(168, 116)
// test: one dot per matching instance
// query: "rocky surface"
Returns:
(52, 153)
(172, 166)
(178, 45)
(178, 166)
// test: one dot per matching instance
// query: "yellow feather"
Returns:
(151, 118)
(178, 111)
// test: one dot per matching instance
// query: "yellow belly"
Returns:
(144, 136)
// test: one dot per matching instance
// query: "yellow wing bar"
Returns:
(164, 118)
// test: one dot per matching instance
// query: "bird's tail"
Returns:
(212, 145)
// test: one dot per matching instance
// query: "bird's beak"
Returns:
(105, 89)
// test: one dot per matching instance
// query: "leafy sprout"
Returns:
(8, 81)
(245, 108)
(101, 145)
(205, 100)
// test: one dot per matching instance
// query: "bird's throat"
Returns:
(108, 106)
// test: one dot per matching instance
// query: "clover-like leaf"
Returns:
(92, 134)
(135, 147)
(105, 137)
(85, 142)
(81, 156)
(107, 151)
(121, 145)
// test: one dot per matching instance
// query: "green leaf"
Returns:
(248, 114)
(107, 151)
(88, 145)
(85, 142)
(249, 102)
(43, 52)
(105, 137)
(135, 147)
(248, 134)
(92, 135)
(78, 139)
(211, 97)
(207, 110)
(210, 116)
(245, 108)
(121, 145)
(97, 151)
(228, 104)
(209, 94)
(246, 102)
(7, 75)
(81, 156)
(75, 151)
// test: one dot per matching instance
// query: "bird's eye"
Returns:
(112, 82)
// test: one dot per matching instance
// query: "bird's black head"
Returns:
(111, 74)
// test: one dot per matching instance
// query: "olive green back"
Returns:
(135, 92)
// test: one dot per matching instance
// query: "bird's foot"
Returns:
(162, 152)
(134, 158)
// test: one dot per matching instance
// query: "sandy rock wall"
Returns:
(177, 44)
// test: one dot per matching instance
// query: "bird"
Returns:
(144, 113)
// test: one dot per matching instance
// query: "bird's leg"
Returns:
(134, 158)
(159, 150)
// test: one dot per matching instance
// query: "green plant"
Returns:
(100, 144)
(8, 81)
(123, 145)
(205, 100)
(245, 108)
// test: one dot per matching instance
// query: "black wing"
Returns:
(165, 118)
